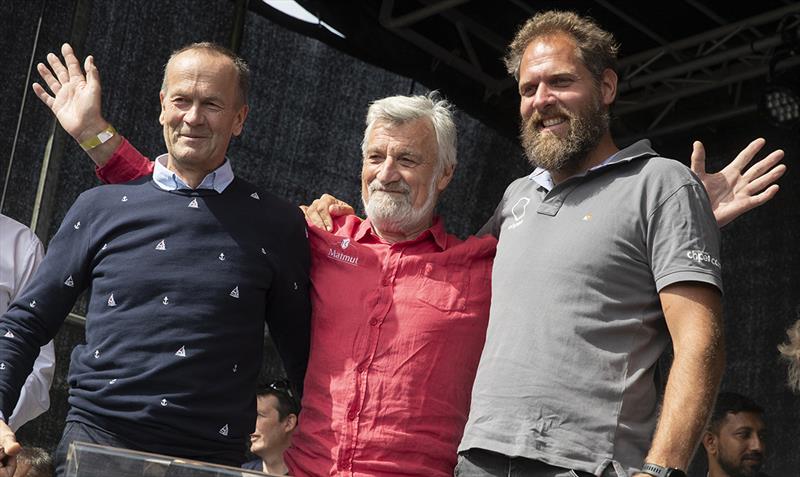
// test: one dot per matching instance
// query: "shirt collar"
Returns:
(218, 179)
(634, 151)
(435, 231)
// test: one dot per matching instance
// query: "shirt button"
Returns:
(373, 322)
(361, 368)
(351, 415)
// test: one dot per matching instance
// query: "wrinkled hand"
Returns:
(322, 211)
(9, 448)
(76, 99)
(732, 192)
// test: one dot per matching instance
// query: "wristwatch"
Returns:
(658, 471)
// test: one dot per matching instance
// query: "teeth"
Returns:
(552, 122)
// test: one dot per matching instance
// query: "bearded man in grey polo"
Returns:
(603, 255)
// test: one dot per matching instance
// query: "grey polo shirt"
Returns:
(576, 326)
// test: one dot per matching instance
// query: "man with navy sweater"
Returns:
(182, 268)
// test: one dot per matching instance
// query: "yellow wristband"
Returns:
(102, 137)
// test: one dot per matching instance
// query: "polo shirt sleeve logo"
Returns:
(701, 256)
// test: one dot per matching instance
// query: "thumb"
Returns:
(698, 160)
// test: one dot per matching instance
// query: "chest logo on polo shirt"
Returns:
(193, 203)
(342, 257)
(163, 402)
(165, 300)
(518, 211)
(33, 304)
(221, 257)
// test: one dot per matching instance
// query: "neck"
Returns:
(604, 149)
(192, 176)
(395, 236)
(273, 463)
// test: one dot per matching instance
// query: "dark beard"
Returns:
(740, 470)
(553, 153)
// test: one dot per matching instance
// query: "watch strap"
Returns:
(101, 137)
(658, 471)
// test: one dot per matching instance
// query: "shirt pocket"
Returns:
(444, 287)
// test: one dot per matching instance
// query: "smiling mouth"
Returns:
(549, 122)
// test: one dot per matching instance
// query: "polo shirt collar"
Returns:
(636, 150)
(436, 231)
(218, 179)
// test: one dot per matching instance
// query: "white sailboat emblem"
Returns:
(181, 352)
(255, 196)
(224, 430)
(193, 203)
(111, 301)
(161, 245)
(235, 292)
(69, 282)
(9, 334)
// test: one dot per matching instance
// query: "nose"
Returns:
(756, 443)
(193, 115)
(388, 171)
(543, 97)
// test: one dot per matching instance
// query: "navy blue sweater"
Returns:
(180, 284)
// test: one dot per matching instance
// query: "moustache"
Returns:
(397, 186)
(536, 118)
(757, 456)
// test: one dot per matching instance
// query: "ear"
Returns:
(608, 86)
(161, 100)
(290, 423)
(444, 180)
(710, 443)
(238, 122)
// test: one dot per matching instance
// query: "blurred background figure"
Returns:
(34, 462)
(277, 409)
(791, 353)
(734, 441)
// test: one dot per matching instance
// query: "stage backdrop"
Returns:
(302, 138)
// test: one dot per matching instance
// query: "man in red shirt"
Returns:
(400, 307)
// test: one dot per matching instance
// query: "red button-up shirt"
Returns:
(396, 335)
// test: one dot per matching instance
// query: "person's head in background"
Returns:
(276, 421)
(34, 462)
(791, 353)
(734, 441)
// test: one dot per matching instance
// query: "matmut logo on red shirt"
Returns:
(343, 257)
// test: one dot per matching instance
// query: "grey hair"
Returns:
(402, 109)
(242, 69)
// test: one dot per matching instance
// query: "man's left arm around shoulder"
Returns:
(693, 314)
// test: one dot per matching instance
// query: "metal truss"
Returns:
(652, 83)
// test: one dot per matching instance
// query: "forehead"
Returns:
(416, 135)
(267, 401)
(553, 53)
(203, 68)
(734, 421)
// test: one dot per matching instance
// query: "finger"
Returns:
(43, 95)
(73, 65)
(698, 159)
(765, 180)
(313, 217)
(304, 208)
(340, 209)
(746, 155)
(58, 68)
(92, 74)
(759, 168)
(48, 78)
